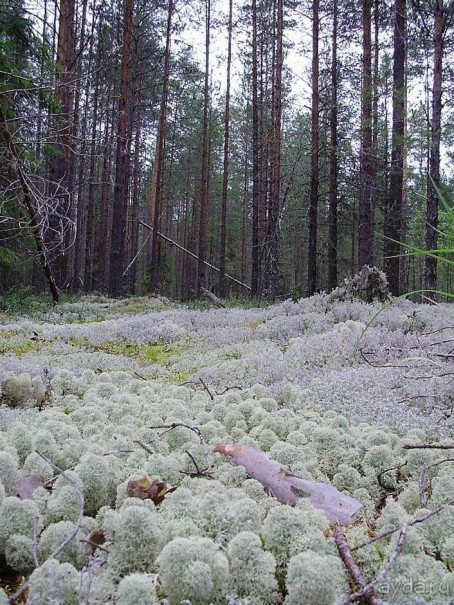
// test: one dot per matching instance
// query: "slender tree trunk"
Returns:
(134, 238)
(77, 252)
(222, 278)
(244, 230)
(158, 169)
(374, 154)
(333, 162)
(255, 161)
(313, 204)
(120, 200)
(366, 210)
(434, 158)
(92, 189)
(77, 216)
(393, 222)
(104, 242)
(273, 250)
(60, 166)
(203, 217)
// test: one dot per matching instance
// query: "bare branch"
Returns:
(204, 472)
(422, 477)
(428, 446)
(366, 590)
(393, 468)
(206, 389)
(194, 429)
(69, 538)
(390, 532)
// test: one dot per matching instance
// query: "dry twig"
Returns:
(69, 538)
(199, 472)
(422, 477)
(366, 590)
(194, 429)
(206, 389)
(143, 445)
(393, 468)
(428, 446)
(390, 532)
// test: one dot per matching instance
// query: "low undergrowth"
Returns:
(121, 403)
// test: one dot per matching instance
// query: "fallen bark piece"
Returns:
(145, 489)
(288, 488)
(27, 486)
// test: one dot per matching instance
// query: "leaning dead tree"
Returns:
(37, 208)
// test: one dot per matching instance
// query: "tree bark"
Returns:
(204, 193)
(255, 277)
(222, 279)
(434, 152)
(273, 248)
(158, 168)
(122, 168)
(333, 162)
(61, 164)
(366, 210)
(394, 210)
(313, 203)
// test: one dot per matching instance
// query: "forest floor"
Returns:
(115, 391)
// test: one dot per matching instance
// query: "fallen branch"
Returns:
(69, 538)
(289, 488)
(229, 389)
(390, 532)
(393, 365)
(393, 468)
(368, 593)
(143, 445)
(189, 253)
(214, 299)
(428, 446)
(206, 389)
(204, 472)
(422, 478)
(194, 429)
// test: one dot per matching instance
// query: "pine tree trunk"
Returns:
(134, 229)
(104, 242)
(255, 276)
(313, 204)
(393, 217)
(273, 248)
(158, 169)
(222, 278)
(122, 168)
(434, 157)
(61, 164)
(203, 216)
(366, 210)
(333, 163)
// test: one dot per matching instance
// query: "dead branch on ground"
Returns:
(69, 538)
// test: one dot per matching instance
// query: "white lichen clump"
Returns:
(193, 569)
(297, 388)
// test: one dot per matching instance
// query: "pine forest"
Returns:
(269, 149)
(226, 287)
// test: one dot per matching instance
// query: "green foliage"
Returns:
(159, 353)
(21, 301)
(8, 261)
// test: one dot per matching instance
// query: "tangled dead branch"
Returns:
(69, 538)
